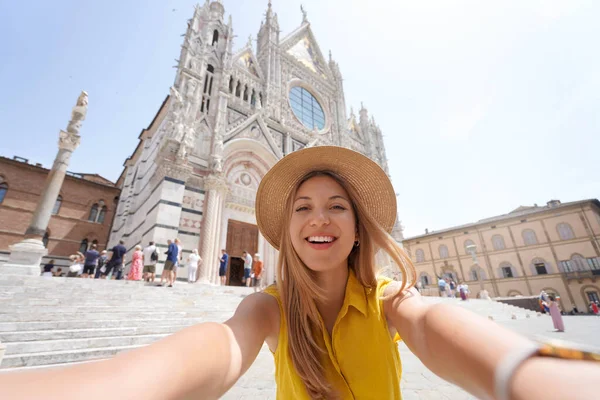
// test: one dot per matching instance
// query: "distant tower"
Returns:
(269, 59)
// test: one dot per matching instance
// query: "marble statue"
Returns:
(78, 114)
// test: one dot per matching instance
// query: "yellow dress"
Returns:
(363, 360)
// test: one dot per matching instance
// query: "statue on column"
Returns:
(217, 154)
(78, 114)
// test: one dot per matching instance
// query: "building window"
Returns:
(57, 205)
(307, 108)
(529, 237)
(507, 272)
(231, 84)
(578, 262)
(424, 278)
(93, 213)
(207, 91)
(594, 263)
(443, 249)
(215, 37)
(468, 243)
(238, 89)
(566, 266)
(474, 274)
(83, 246)
(540, 268)
(498, 242)
(565, 231)
(592, 296)
(3, 190)
(420, 255)
(46, 239)
(101, 215)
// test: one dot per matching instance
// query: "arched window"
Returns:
(57, 205)
(498, 242)
(101, 215)
(207, 93)
(420, 255)
(3, 190)
(46, 239)
(529, 237)
(507, 270)
(443, 249)
(539, 266)
(83, 246)
(238, 89)
(93, 213)
(565, 231)
(424, 278)
(253, 98)
(215, 37)
(245, 93)
(468, 243)
(231, 84)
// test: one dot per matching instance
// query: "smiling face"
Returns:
(323, 224)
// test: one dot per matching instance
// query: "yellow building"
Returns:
(555, 248)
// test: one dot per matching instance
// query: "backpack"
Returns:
(154, 256)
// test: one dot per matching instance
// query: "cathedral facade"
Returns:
(230, 116)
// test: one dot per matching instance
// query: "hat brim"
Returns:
(371, 183)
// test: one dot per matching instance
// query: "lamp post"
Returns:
(472, 249)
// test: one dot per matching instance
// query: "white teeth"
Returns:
(321, 239)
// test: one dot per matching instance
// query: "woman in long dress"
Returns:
(135, 274)
(555, 314)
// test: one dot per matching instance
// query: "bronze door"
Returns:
(240, 237)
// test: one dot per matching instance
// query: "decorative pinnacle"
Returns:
(304, 14)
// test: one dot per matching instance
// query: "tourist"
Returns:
(257, 270)
(194, 262)
(554, 308)
(47, 273)
(101, 267)
(442, 286)
(453, 288)
(462, 291)
(172, 256)
(137, 265)
(247, 268)
(330, 323)
(91, 261)
(594, 308)
(76, 265)
(59, 273)
(150, 259)
(223, 267)
(116, 261)
(179, 262)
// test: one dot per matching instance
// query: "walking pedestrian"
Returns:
(150, 260)
(76, 265)
(115, 265)
(172, 256)
(257, 270)
(442, 287)
(554, 308)
(179, 262)
(453, 288)
(247, 268)
(91, 261)
(223, 267)
(101, 266)
(194, 262)
(137, 264)
(594, 307)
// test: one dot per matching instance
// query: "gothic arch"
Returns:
(586, 287)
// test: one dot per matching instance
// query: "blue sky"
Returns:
(485, 106)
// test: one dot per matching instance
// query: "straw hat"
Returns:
(364, 175)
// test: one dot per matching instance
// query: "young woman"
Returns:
(48, 268)
(331, 324)
(554, 309)
(194, 261)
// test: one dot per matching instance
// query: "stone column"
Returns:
(26, 256)
(214, 186)
(214, 276)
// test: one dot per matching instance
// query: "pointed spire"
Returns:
(269, 11)
(330, 57)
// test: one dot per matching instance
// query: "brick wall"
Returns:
(67, 228)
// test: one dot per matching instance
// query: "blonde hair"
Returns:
(299, 293)
(138, 247)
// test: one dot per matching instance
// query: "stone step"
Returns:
(61, 357)
(26, 336)
(98, 316)
(122, 308)
(94, 324)
(43, 346)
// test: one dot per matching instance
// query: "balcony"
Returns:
(581, 275)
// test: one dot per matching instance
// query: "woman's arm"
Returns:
(465, 349)
(202, 361)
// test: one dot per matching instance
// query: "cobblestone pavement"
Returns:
(417, 381)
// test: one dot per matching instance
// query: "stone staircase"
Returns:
(52, 322)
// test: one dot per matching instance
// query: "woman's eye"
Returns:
(303, 208)
(338, 207)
